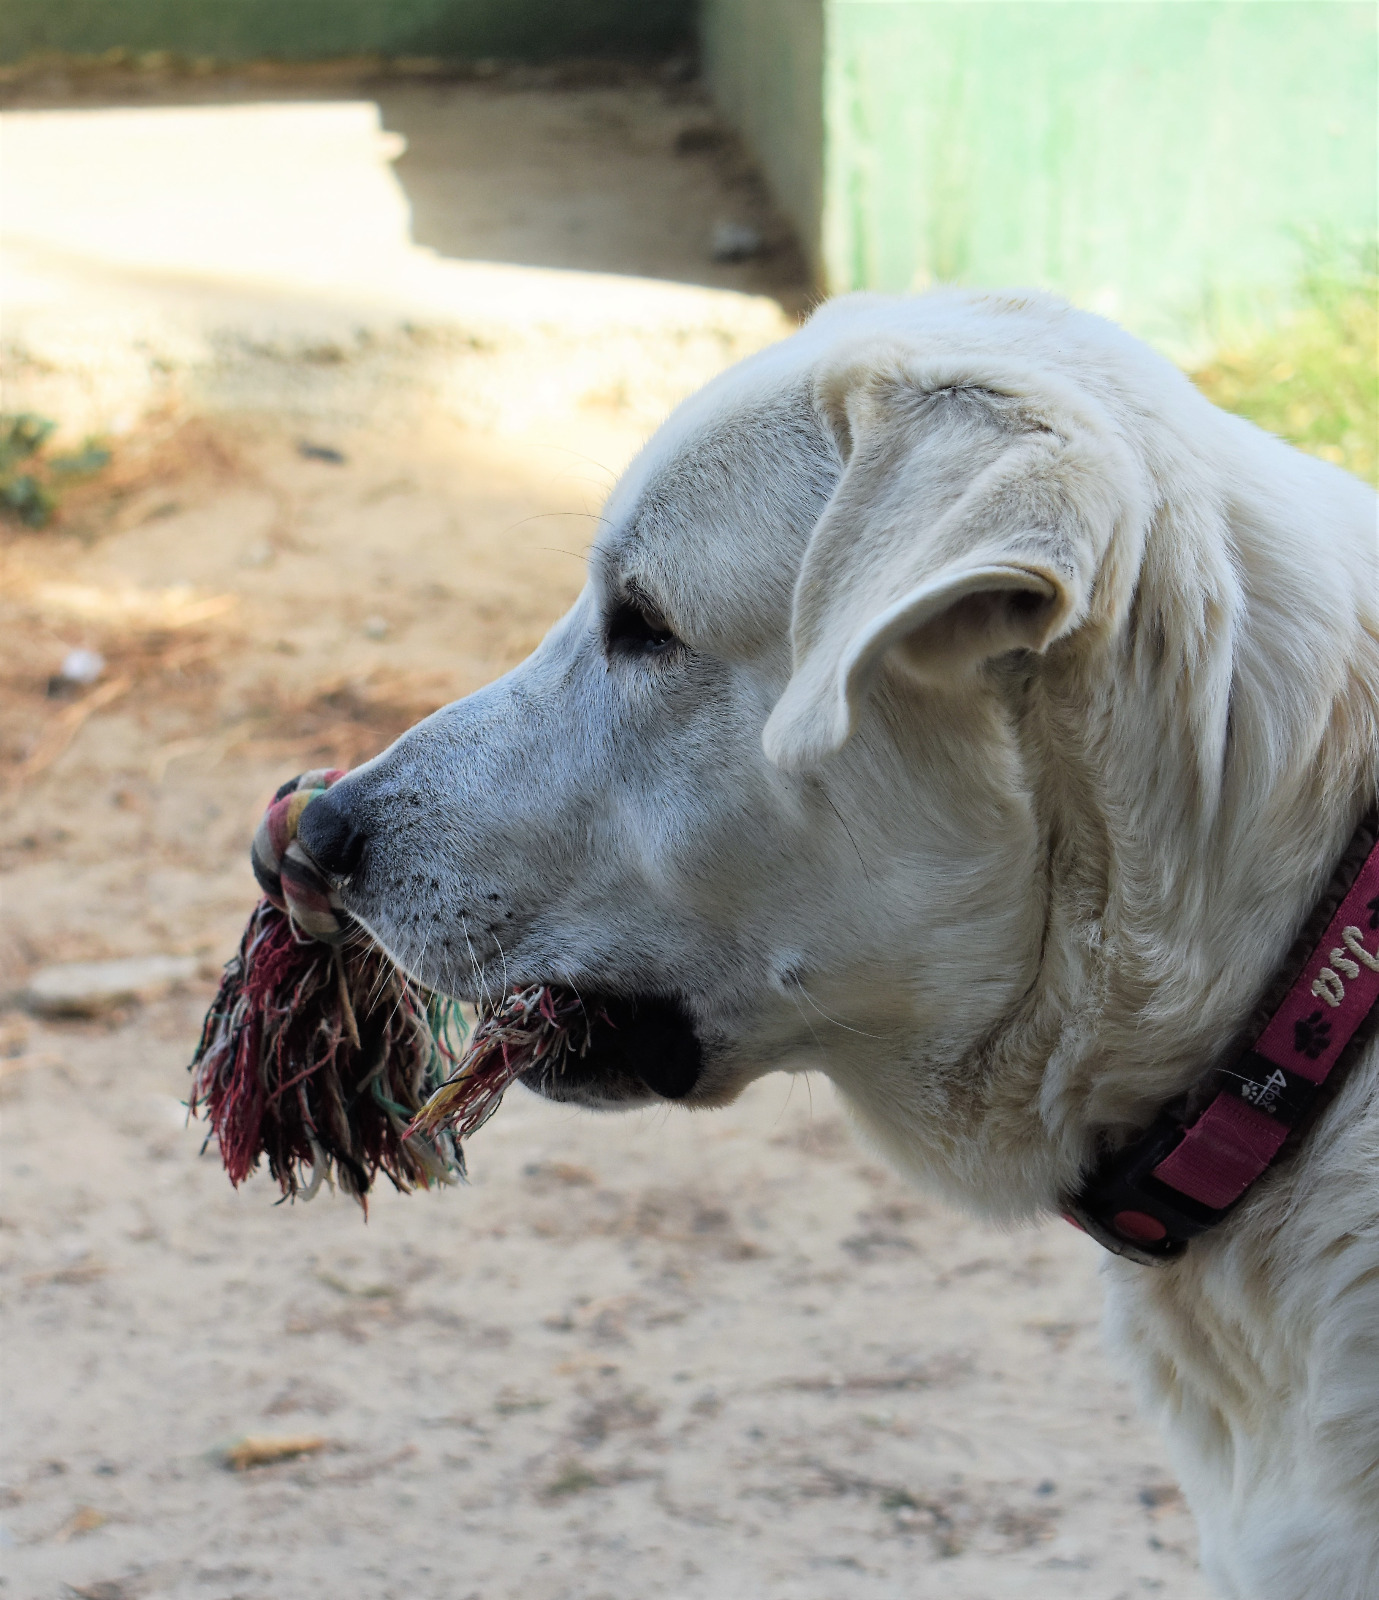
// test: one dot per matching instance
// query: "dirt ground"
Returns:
(722, 1357)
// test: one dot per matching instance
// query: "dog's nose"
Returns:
(331, 834)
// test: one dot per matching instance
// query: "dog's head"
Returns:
(765, 797)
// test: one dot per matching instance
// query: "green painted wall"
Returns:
(1168, 162)
(763, 61)
(232, 30)
(1160, 160)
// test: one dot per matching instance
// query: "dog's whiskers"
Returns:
(845, 1026)
(478, 969)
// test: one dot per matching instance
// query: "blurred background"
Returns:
(325, 328)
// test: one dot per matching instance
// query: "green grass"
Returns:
(1315, 380)
(574, 1478)
(31, 479)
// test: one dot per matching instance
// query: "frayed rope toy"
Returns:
(319, 1053)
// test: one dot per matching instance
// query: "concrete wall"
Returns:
(764, 62)
(231, 30)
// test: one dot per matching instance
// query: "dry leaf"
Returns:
(263, 1449)
(85, 1519)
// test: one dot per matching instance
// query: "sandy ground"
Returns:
(694, 1357)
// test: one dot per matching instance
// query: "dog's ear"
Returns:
(970, 520)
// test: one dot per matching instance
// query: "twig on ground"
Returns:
(64, 728)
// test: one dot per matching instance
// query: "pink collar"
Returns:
(1147, 1199)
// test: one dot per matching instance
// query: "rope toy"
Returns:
(321, 1054)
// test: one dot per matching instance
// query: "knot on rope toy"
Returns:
(321, 1054)
(286, 873)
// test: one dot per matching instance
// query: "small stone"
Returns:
(376, 627)
(82, 666)
(321, 452)
(90, 988)
(79, 670)
(736, 241)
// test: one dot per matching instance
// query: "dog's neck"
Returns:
(1195, 787)
(1195, 771)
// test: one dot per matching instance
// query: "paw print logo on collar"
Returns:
(1311, 1035)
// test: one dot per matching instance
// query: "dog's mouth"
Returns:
(625, 1050)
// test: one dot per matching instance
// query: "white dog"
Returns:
(962, 706)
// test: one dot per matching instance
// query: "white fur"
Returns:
(1069, 685)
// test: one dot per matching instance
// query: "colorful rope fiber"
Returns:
(322, 1056)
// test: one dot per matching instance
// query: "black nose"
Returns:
(332, 835)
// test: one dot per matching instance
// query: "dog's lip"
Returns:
(642, 1038)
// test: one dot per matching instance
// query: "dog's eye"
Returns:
(636, 630)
